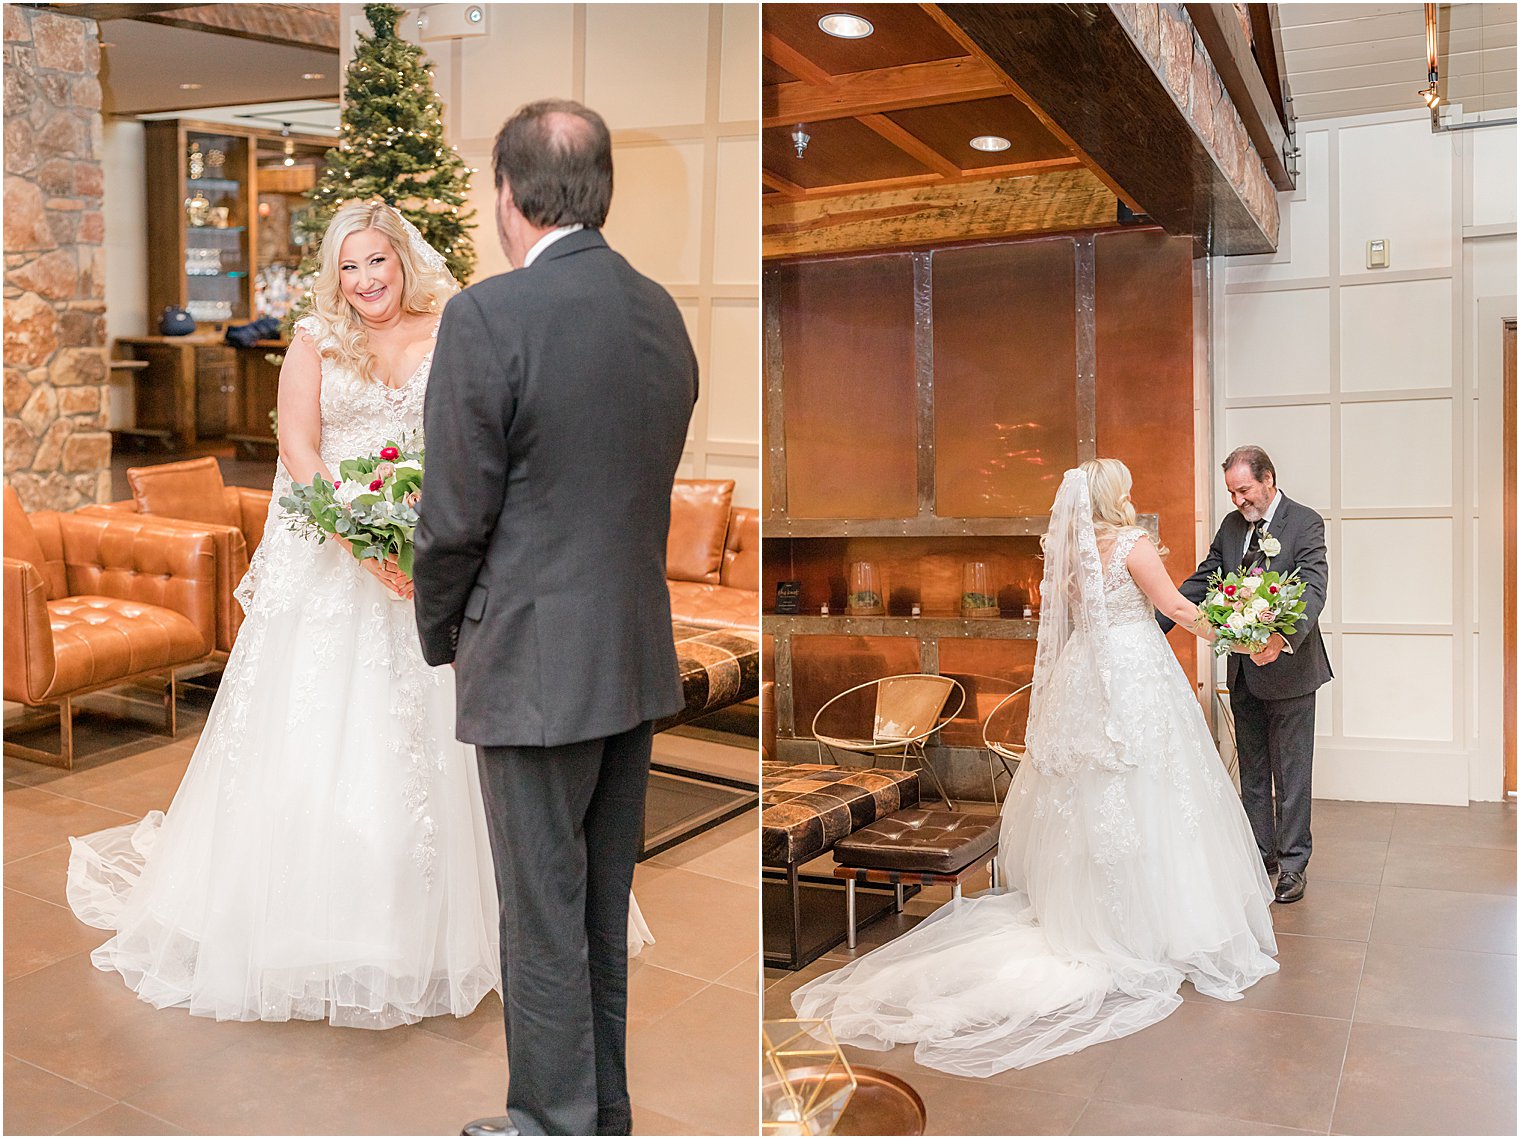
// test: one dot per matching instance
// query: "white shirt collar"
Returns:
(1272, 510)
(547, 240)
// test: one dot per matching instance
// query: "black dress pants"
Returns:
(566, 826)
(1275, 741)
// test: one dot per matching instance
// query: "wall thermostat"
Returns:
(1379, 253)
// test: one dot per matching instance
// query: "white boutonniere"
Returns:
(1270, 545)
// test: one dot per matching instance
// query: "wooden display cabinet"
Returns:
(222, 244)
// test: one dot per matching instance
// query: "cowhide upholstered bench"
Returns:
(806, 809)
(918, 848)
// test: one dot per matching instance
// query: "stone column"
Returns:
(57, 448)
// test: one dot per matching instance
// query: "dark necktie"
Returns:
(1253, 544)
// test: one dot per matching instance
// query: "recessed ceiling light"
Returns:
(990, 142)
(313, 75)
(189, 86)
(845, 26)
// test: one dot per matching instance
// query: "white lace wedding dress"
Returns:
(1129, 862)
(326, 855)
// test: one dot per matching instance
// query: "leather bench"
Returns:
(718, 667)
(805, 809)
(915, 847)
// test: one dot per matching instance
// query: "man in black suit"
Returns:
(556, 415)
(1272, 694)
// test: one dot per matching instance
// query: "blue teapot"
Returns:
(175, 322)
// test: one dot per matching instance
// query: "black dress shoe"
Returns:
(491, 1125)
(1290, 886)
(1270, 865)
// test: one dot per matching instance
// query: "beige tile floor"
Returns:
(84, 1056)
(1393, 1013)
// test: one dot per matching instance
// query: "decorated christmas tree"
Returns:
(393, 147)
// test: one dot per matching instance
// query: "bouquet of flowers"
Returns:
(373, 505)
(1246, 608)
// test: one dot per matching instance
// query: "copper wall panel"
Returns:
(823, 667)
(1005, 392)
(989, 670)
(1145, 384)
(847, 359)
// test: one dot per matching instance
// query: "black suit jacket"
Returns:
(556, 415)
(1302, 534)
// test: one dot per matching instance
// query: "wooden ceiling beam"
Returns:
(1220, 31)
(781, 185)
(1057, 201)
(1097, 78)
(908, 181)
(911, 145)
(290, 25)
(974, 49)
(785, 56)
(879, 91)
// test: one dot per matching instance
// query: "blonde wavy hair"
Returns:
(1109, 483)
(424, 288)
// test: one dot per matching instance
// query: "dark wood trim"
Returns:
(1233, 58)
(874, 92)
(1266, 44)
(1069, 59)
(1510, 537)
(164, 171)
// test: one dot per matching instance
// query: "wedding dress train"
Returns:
(326, 855)
(1129, 861)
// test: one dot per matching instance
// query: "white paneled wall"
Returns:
(679, 87)
(1376, 392)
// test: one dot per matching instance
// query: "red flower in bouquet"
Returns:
(389, 454)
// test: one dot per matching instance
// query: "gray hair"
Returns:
(1253, 457)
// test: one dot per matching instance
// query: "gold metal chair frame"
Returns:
(64, 757)
(887, 748)
(1227, 718)
(1003, 750)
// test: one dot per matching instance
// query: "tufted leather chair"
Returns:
(722, 590)
(93, 600)
(192, 492)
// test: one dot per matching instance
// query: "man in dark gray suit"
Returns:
(1272, 694)
(555, 419)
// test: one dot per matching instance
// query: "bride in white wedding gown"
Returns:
(1129, 863)
(326, 854)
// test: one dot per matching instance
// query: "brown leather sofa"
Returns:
(712, 560)
(192, 492)
(712, 555)
(92, 601)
